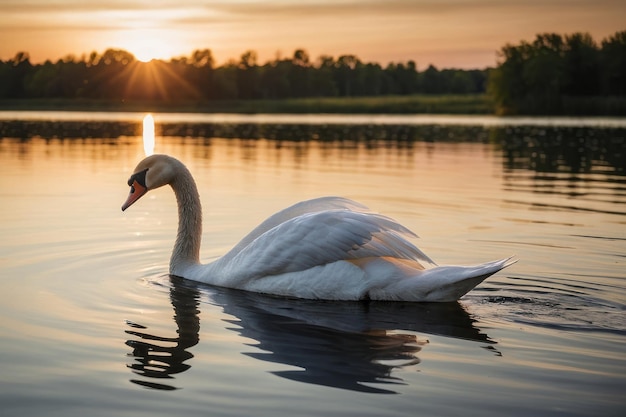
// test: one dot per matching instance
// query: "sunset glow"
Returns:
(145, 53)
(447, 33)
(149, 44)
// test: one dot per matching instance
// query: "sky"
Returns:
(446, 33)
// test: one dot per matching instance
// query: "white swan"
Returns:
(328, 248)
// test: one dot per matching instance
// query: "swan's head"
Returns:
(153, 172)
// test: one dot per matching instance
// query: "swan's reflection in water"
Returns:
(345, 345)
(160, 357)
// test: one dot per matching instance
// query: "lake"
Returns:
(91, 324)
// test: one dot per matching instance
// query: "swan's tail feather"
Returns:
(508, 261)
(456, 281)
(442, 283)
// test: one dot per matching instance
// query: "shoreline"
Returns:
(467, 105)
(412, 104)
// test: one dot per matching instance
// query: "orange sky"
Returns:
(446, 33)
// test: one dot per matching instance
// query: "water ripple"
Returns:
(566, 302)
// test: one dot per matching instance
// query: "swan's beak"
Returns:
(136, 191)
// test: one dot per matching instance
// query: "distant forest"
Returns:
(116, 74)
(552, 74)
(569, 74)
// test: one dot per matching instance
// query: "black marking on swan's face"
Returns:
(140, 177)
(138, 188)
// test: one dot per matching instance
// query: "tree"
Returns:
(299, 74)
(322, 80)
(372, 80)
(460, 83)
(544, 73)
(202, 58)
(554, 73)
(613, 59)
(275, 79)
(581, 62)
(248, 76)
(14, 75)
(226, 81)
(345, 74)
(301, 58)
(116, 56)
(404, 78)
(431, 81)
(44, 81)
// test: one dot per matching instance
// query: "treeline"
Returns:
(554, 74)
(557, 74)
(117, 75)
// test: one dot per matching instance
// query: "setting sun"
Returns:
(149, 44)
(147, 51)
(144, 55)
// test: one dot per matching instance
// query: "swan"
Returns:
(328, 248)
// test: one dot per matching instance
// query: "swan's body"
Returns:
(327, 248)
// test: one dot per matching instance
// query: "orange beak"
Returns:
(136, 191)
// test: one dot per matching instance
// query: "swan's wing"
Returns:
(298, 209)
(321, 238)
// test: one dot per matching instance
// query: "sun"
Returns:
(144, 55)
(148, 51)
(147, 45)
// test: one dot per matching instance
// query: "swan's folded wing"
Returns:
(303, 207)
(321, 238)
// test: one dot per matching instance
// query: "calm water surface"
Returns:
(90, 324)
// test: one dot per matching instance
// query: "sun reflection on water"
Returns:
(148, 134)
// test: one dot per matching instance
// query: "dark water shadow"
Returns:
(157, 357)
(347, 345)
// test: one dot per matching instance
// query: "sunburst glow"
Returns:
(148, 134)
(144, 55)
(149, 44)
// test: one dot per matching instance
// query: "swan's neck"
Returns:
(187, 246)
